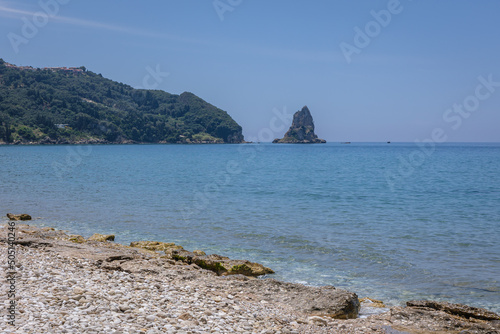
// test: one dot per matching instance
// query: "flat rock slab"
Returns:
(320, 301)
(460, 310)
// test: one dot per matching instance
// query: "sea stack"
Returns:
(302, 130)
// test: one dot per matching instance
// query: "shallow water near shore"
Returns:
(389, 221)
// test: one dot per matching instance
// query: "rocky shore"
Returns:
(68, 284)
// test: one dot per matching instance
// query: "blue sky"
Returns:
(422, 66)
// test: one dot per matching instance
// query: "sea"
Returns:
(389, 221)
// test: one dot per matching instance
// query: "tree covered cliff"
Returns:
(60, 105)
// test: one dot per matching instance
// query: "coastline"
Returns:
(73, 281)
(106, 142)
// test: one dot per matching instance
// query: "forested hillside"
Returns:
(71, 105)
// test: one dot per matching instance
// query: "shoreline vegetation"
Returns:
(60, 105)
(68, 284)
(95, 141)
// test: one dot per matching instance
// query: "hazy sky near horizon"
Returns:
(368, 70)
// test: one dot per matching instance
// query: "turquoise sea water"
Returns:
(388, 221)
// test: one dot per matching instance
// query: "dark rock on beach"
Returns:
(302, 130)
(101, 237)
(459, 310)
(418, 319)
(22, 216)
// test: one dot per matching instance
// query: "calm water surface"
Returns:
(385, 221)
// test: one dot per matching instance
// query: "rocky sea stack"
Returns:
(302, 130)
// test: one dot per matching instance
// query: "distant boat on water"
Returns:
(345, 142)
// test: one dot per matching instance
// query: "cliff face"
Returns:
(302, 130)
